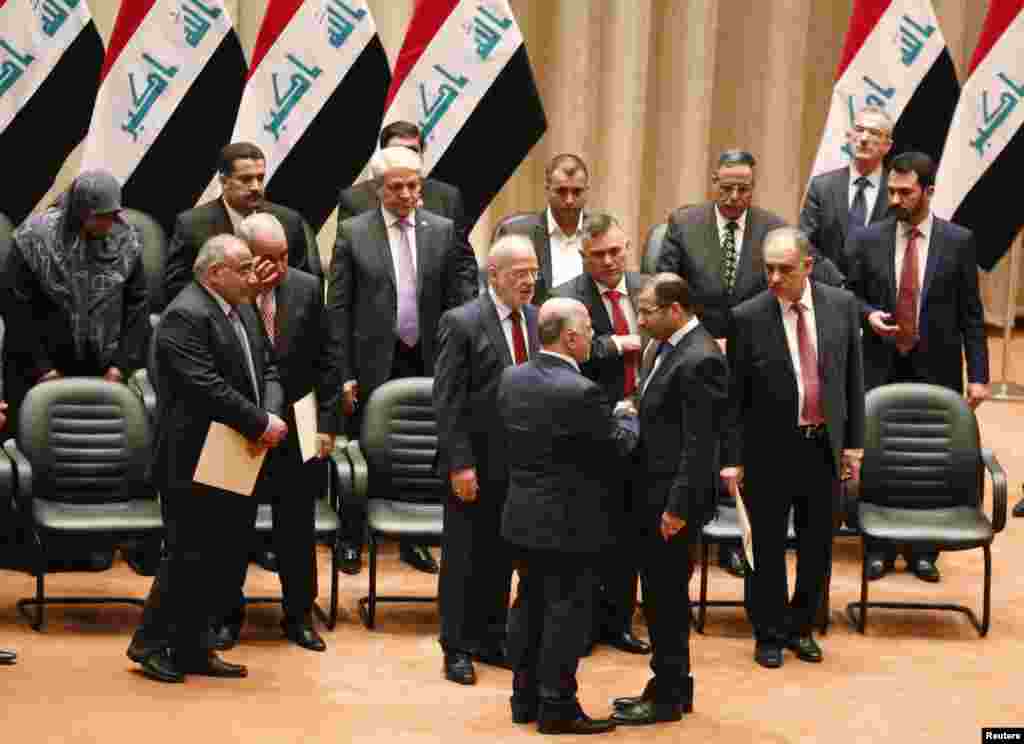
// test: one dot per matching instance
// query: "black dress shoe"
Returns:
(926, 570)
(142, 561)
(493, 657)
(419, 557)
(768, 655)
(627, 642)
(458, 668)
(225, 637)
(805, 648)
(646, 712)
(878, 566)
(582, 724)
(349, 559)
(524, 708)
(214, 666)
(7, 657)
(265, 559)
(730, 561)
(303, 635)
(161, 667)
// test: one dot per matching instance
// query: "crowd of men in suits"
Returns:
(591, 419)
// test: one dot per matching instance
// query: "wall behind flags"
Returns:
(648, 91)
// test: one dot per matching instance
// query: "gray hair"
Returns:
(556, 315)
(597, 224)
(879, 111)
(388, 159)
(799, 238)
(508, 247)
(214, 251)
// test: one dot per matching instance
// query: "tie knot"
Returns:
(403, 224)
(515, 316)
(233, 314)
(914, 233)
(798, 308)
(732, 226)
(613, 294)
(862, 182)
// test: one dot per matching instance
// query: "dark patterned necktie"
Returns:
(729, 256)
(811, 412)
(518, 338)
(908, 297)
(859, 208)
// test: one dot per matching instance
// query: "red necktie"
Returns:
(907, 299)
(518, 339)
(811, 412)
(622, 329)
(268, 311)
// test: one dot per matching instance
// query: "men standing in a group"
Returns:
(916, 277)
(850, 197)
(475, 342)
(797, 398)
(395, 271)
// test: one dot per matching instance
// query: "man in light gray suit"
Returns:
(395, 271)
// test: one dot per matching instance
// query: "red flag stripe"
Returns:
(279, 14)
(129, 18)
(427, 19)
(863, 19)
(1000, 14)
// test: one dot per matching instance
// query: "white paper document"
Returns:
(306, 425)
(748, 537)
(228, 461)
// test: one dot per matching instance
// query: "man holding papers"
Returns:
(213, 364)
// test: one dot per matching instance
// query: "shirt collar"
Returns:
(874, 177)
(563, 357)
(722, 221)
(620, 287)
(224, 304)
(805, 300)
(553, 226)
(680, 334)
(925, 227)
(390, 218)
(503, 310)
(234, 216)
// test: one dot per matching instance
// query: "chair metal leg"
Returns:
(334, 585)
(368, 604)
(986, 611)
(857, 612)
(702, 607)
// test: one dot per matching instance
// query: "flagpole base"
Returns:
(1007, 391)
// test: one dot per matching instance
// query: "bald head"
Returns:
(262, 228)
(564, 327)
(512, 270)
(266, 239)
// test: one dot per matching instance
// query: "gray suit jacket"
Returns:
(362, 306)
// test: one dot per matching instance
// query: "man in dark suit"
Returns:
(435, 196)
(241, 168)
(609, 293)
(395, 270)
(6, 656)
(475, 342)
(916, 277)
(797, 400)
(213, 364)
(682, 402)
(562, 445)
(556, 232)
(852, 196)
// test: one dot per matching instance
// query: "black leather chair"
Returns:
(517, 223)
(81, 462)
(6, 237)
(652, 248)
(922, 483)
(154, 255)
(393, 474)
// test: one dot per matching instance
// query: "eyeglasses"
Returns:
(876, 135)
(646, 312)
(520, 275)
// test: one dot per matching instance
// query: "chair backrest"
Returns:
(921, 448)
(6, 238)
(517, 223)
(652, 248)
(88, 440)
(399, 441)
(154, 253)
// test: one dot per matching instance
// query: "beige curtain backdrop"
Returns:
(649, 91)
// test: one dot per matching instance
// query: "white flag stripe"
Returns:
(455, 71)
(150, 78)
(894, 59)
(989, 114)
(299, 73)
(33, 37)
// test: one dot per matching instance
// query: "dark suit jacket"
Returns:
(763, 394)
(605, 366)
(195, 226)
(681, 411)
(825, 217)
(951, 317)
(562, 446)
(202, 377)
(362, 306)
(471, 354)
(693, 249)
(536, 229)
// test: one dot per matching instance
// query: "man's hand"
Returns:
(626, 344)
(113, 374)
(349, 397)
(276, 431)
(266, 274)
(324, 444)
(977, 393)
(53, 374)
(670, 525)
(626, 407)
(723, 343)
(3, 413)
(465, 486)
(732, 478)
(878, 321)
(849, 463)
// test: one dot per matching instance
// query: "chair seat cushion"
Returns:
(133, 516)
(325, 519)
(726, 526)
(949, 528)
(405, 518)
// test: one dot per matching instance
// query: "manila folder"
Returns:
(227, 461)
(306, 425)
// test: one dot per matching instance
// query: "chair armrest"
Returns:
(360, 475)
(140, 383)
(7, 485)
(998, 488)
(23, 475)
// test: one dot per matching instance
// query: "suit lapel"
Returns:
(889, 245)
(711, 246)
(228, 331)
(285, 315)
(749, 265)
(598, 313)
(424, 254)
(935, 246)
(379, 234)
(823, 324)
(492, 325)
(779, 331)
(541, 238)
(882, 202)
(220, 221)
(531, 329)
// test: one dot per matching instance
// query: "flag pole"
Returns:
(1005, 389)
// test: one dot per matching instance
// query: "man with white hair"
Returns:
(395, 270)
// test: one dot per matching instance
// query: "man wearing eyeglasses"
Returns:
(853, 196)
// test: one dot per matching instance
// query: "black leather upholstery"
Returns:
(6, 238)
(652, 248)
(922, 483)
(518, 223)
(393, 474)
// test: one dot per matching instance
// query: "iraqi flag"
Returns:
(895, 58)
(464, 77)
(314, 101)
(169, 92)
(979, 175)
(50, 57)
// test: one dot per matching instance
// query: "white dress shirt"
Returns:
(566, 261)
(235, 216)
(391, 221)
(673, 341)
(624, 302)
(902, 235)
(563, 357)
(871, 192)
(741, 227)
(789, 323)
(504, 311)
